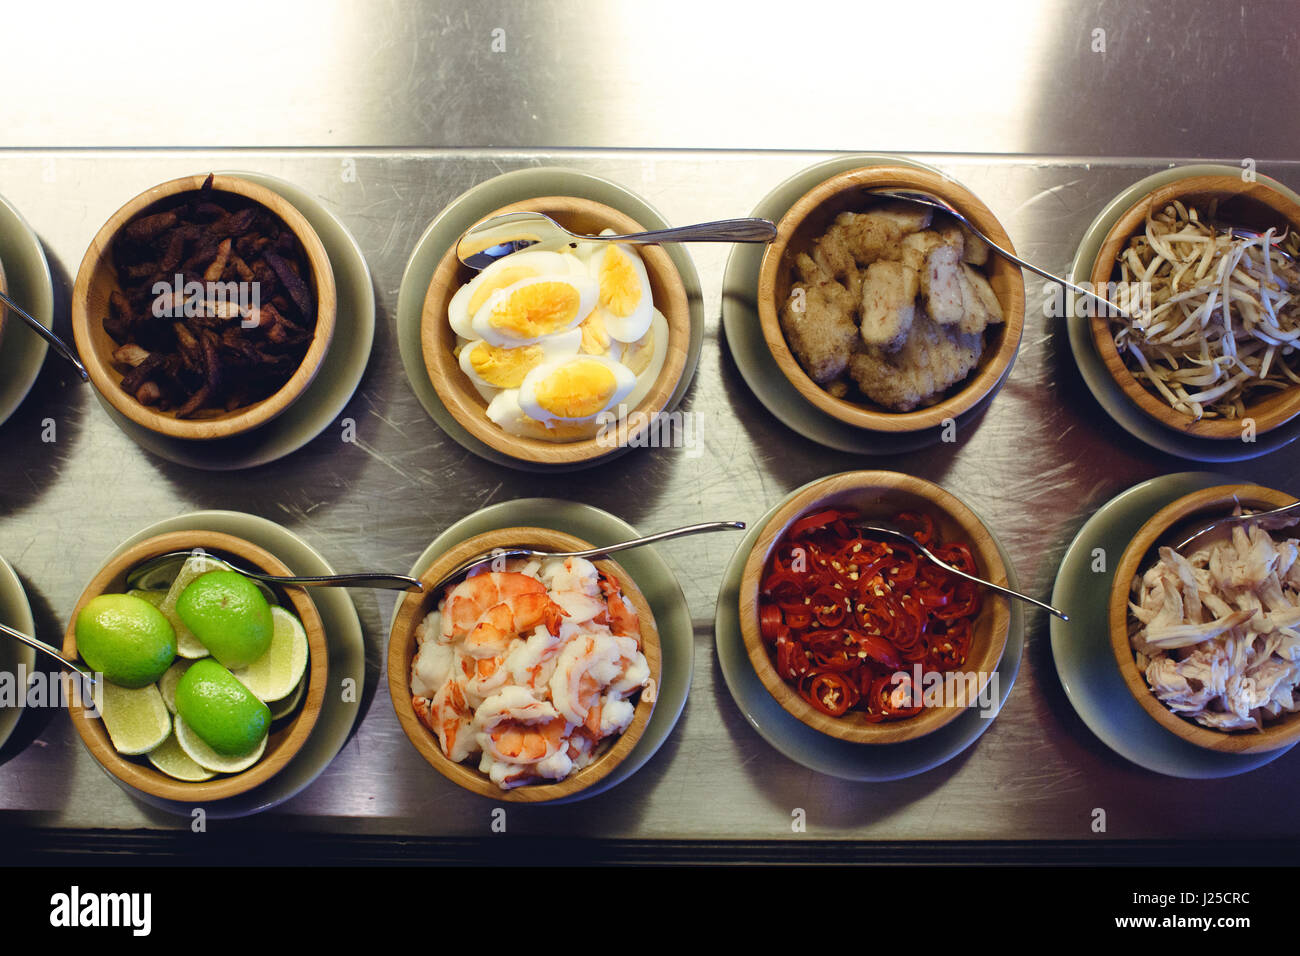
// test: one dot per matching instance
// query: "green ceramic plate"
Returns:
(468, 209)
(1099, 381)
(652, 576)
(347, 661)
(15, 656)
(817, 751)
(754, 358)
(339, 376)
(1081, 648)
(22, 351)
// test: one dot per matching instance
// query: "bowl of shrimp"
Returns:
(528, 680)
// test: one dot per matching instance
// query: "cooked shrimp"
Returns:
(531, 667)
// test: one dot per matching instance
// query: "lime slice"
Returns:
(187, 645)
(155, 574)
(167, 683)
(136, 719)
(154, 597)
(286, 705)
(275, 674)
(171, 760)
(209, 759)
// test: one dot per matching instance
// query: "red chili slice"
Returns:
(830, 693)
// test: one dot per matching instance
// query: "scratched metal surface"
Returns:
(1065, 77)
(1036, 465)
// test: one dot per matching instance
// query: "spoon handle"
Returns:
(651, 539)
(727, 230)
(995, 587)
(388, 582)
(46, 649)
(55, 342)
(507, 553)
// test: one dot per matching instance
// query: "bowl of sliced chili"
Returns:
(860, 636)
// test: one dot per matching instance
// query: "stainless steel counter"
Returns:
(1041, 460)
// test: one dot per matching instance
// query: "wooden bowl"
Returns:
(285, 741)
(809, 218)
(1249, 205)
(879, 494)
(97, 280)
(462, 399)
(401, 651)
(1164, 526)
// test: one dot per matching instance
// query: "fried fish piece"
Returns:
(936, 255)
(819, 320)
(861, 238)
(980, 305)
(888, 304)
(932, 360)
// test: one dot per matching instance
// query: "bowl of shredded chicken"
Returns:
(1203, 279)
(531, 675)
(1207, 634)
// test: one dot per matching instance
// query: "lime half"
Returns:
(275, 674)
(209, 759)
(175, 762)
(136, 719)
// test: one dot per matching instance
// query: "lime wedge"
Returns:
(209, 759)
(154, 597)
(136, 719)
(171, 760)
(286, 705)
(167, 683)
(274, 675)
(155, 574)
(187, 645)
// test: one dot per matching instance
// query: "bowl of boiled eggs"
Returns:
(558, 355)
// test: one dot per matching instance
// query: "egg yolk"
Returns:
(504, 368)
(577, 390)
(595, 340)
(505, 277)
(536, 310)
(620, 286)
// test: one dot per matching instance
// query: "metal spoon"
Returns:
(934, 202)
(498, 237)
(56, 343)
(390, 582)
(47, 649)
(1266, 519)
(877, 526)
(505, 553)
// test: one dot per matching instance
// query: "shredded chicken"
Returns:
(1217, 631)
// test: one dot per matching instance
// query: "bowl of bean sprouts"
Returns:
(1203, 328)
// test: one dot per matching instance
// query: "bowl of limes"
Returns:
(208, 682)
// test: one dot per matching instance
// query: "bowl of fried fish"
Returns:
(886, 314)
